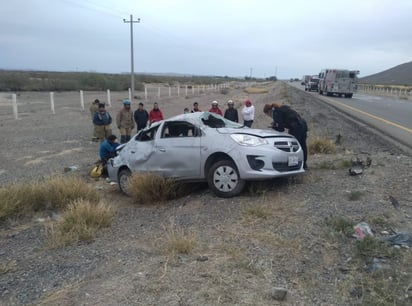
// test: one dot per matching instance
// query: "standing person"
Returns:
(125, 122)
(285, 117)
(186, 110)
(231, 112)
(195, 108)
(141, 117)
(248, 113)
(102, 121)
(155, 114)
(94, 107)
(215, 108)
(108, 148)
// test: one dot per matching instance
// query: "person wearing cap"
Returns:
(231, 112)
(285, 117)
(155, 114)
(248, 113)
(125, 121)
(215, 108)
(94, 107)
(195, 108)
(102, 121)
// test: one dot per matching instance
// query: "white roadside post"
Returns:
(170, 91)
(145, 93)
(158, 92)
(15, 111)
(185, 90)
(52, 102)
(81, 101)
(109, 100)
(178, 90)
(130, 94)
(193, 90)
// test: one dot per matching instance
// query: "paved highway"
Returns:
(390, 116)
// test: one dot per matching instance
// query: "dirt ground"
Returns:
(239, 254)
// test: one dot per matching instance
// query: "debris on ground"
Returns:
(401, 239)
(394, 202)
(358, 165)
(279, 293)
(70, 168)
(362, 230)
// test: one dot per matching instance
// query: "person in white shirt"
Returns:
(248, 113)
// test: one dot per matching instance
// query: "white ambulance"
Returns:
(339, 82)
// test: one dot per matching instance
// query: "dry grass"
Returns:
(340, 225)
(24, 199)
(257, 212)
(6, 267)
(322, 146)
(149, 188)
(177, 240)
(80, 222)
(355, 195)
(256, 90)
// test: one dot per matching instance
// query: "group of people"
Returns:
(284, 117)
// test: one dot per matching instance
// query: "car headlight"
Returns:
(248, 140)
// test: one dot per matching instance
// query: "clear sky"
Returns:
(287, 38)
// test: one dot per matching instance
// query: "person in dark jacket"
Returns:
(285, 117)
(141, 116)
(102, 121)
(108, 148)
(231, 112)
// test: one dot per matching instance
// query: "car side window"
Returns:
(178, 129)
(147, 135)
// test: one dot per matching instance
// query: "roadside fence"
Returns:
(385, 90)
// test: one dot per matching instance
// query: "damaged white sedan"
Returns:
(203, 146)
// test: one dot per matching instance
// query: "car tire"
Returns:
(123, 178)
(224, 180)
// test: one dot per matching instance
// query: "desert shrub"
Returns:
(256, 90)
(224, 91)
(80, 222)
(24, 199)
(321, 145)
(339, 224)
(177, 240)
(355, 195)
(146, 188)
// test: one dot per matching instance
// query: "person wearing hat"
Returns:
(215, 108)
(102, 122)
(285, 117)
(231, 112)
(94, 107)
(248, 113)
(125, 121)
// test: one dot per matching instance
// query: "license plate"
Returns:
(293, 161)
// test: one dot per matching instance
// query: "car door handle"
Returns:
(132, 151)
(162, 149)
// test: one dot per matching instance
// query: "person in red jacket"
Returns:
(215, 108)
(155, 114)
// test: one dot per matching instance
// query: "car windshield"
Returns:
(216, 121)
(315, 81)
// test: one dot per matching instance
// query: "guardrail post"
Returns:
(109, 100)
(15, 111)
(81, 101)
(145, 93)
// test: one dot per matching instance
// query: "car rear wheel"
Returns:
(224, 180)
(123, 180)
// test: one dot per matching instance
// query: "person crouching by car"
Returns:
(285, 117)
(102, 121)
(155, 114)
(108, 149)
(125, 122)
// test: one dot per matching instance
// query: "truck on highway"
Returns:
(339, 82)
(305, 79)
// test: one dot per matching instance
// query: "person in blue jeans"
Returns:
(108, 148)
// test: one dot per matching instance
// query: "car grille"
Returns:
(287, 146)
(283, 167)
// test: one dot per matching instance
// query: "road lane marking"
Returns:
(370, 115)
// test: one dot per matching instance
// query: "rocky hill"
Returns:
(398, 75)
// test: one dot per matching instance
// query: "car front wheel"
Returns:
(123, 180)
(223, 178)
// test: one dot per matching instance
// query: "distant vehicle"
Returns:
(313, 83)
(305, 79)
(206, 147)
(338, 82)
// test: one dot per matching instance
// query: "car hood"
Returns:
(254, 132)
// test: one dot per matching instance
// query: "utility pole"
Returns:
(131, 21)
(251, 70)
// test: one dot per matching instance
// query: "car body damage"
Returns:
(190, 146)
